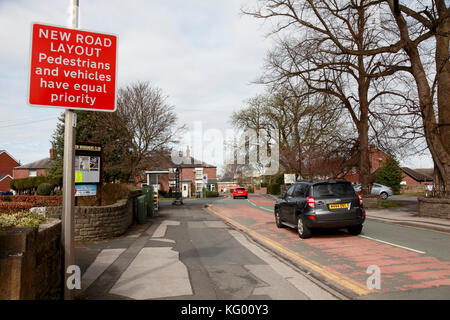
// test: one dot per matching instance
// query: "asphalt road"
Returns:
(185, 252)
(414, 263)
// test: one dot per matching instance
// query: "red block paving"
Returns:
(343, 254)
(261, 201)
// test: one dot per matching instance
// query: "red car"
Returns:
(240, 192)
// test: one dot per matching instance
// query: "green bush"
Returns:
(113, 192)
(390, 174)
(44, 189)
(273, 188)
(250, 190)
(212, 194)
(163, 193)
(30, 184)
(263, 184)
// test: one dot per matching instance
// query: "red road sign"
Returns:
(72, 69)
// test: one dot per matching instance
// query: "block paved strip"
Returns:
(342, 258)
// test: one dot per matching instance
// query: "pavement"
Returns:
(408, 215)
(185, 252)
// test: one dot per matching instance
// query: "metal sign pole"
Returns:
(67, 236)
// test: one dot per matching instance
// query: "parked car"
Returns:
(6, 193)
(240, 193)
(377, 189)
(320, 204)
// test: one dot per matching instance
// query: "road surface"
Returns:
(413, 263)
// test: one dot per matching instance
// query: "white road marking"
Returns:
(259, 207)
(164, 240)
(104, 259)
(393, 244)
(154, 273)
(162, 228)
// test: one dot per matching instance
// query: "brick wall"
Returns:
(25, 173)
(31, 262)
(98, 223)
(7, 164)
(4, 184)
(435, 208)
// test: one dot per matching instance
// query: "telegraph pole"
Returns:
(67, 217)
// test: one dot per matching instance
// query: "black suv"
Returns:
(320, 204)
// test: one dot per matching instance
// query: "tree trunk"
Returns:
(364, 156)
(437, 138)
(442, 177)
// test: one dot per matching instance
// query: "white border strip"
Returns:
(393, 244)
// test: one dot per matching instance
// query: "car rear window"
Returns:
(333, 190)
(240, 189)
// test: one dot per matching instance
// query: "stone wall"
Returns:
(30, 262)
(371, 201)
(434, 207)
(412, 189)
(98, 223)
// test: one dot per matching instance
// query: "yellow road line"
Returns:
(341, 279)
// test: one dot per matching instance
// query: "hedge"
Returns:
(273, 188)
(12, 204)
(212, 194)
(32, 183)
(44, 189)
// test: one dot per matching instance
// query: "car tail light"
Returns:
(312, 217)
(311, 202)
(360, 199)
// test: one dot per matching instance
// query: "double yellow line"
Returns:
(340, 279)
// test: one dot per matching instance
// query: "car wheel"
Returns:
(278, 219)
(302, 229)
(246, 197)
(384, 195)
(355, 230)
(234, 197)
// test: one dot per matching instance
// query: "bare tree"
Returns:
(321, 42)
(302, 123)
(147, 123)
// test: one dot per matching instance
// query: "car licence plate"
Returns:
(338, 206)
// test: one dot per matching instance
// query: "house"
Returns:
(34, 169)
(376, 157)
(226, 184)
(192, 174)
(417, 176)
(7, 164)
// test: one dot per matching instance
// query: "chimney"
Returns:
(52, 152)
(188, 152)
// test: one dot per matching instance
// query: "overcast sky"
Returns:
(203, 54)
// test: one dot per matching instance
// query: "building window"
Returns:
(32, 173)
(198, 173)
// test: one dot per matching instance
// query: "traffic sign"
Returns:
(72, 68)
